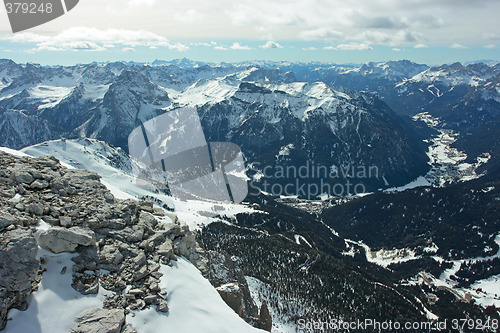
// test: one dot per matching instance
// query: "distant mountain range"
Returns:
(424, 251)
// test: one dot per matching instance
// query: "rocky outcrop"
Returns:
(265, 319)
(232, 286)
(120, 244)
(18, 269)
(233, 296)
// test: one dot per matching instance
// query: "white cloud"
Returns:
(395, 23)
(238, 46)
(395, 49)
(397, 38)
(330, 48)
(220, 48)
(178, 47)
(490, 46)
(310, 48)
(68, 46)
(271, 45)
(128, 49)
(420, 46)
(85, 38)
(325, 33)
(354, 47)
(458, 46)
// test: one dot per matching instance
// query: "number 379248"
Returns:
(28, 8)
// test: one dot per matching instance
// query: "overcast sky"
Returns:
(431, 31)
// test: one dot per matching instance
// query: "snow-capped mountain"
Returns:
(264, 110)
(291, 124)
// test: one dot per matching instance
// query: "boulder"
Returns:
(166, 250)
(99, 321)
(6, 220)
(111, 257)
(59, 239)
(66, 221)
(23, 177)
(39, 184)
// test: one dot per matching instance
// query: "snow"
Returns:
(205, 92)
(194, 305)
(13, 152)
(489, 293)
(433, 248)
(95, 92)
(114, 166)
(299, 239)
(485, 292)
(53, 307)
(382, 257)
(419, 182)
(447, 163)
(49, 96)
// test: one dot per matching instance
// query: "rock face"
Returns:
(233, 296)
(119, 243)
(232, 287)
(18, 269)
(265, 319)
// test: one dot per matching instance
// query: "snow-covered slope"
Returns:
(113, 164)
(194, 304)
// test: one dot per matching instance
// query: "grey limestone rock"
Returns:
(99, 321)
(59, 239)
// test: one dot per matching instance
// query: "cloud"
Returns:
(178, 47)
(377, 22)
(325, 33)
(189, 16)
(271, 45)
(420, 46)
(396, 49)
(490, 46)
(458, 46)
(69, 46)
(398, 38)
(128, 49)
(354, 47)
(491, 36)
(238, 46)
(310, 48)
(220, 48)
(329, 48)
(92, 39)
